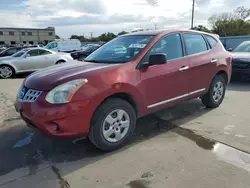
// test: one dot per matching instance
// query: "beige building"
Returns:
(12, 36)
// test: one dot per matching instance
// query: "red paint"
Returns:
(146, 86)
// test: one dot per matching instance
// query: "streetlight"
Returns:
(192, 22)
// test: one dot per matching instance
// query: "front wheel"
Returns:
(112, 124)
(6, 71)
(216, 93)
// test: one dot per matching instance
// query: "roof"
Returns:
(17, 28)
(156, 32)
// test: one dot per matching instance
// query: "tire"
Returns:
(60, 62)
(216, 93)
(6, 74)
(100, 124)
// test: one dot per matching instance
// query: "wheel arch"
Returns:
(9, 65)
(61, 59)
(224, 74)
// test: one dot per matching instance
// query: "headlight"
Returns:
(64, 92)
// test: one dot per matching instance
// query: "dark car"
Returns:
(10, 51)
(82, 54)
(129, 77)
(241, 61)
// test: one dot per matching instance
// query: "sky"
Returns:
(81, 17)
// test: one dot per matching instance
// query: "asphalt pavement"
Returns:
(182, 146)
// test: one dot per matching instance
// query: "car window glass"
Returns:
(169, 45)
(211, 41)
(33, 53)
(44, 52)
(195, 43)
(11, 51)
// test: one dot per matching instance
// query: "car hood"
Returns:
(237, 55)
(7, 59)
(48, 78)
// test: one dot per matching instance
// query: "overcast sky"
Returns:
(99, 16)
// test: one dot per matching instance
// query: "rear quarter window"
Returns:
(211, 40)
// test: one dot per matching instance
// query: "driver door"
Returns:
(31, 60)
(165, 84)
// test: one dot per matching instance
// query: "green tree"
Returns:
(123, 33)
(201, 28)
(231, 24)
(57, 37)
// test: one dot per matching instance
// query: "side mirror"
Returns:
(230, 49)
(27, 55)
(154, 59)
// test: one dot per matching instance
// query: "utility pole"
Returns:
(91, 35)
(192, 22)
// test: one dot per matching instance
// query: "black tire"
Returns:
(11, 68)
(96, 135)
(208, 99)
(60, 62)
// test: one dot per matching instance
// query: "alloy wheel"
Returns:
(116, 125)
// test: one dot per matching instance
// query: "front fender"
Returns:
(11, 65)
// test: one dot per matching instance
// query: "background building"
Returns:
(13, 36)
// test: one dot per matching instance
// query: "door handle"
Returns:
(213, 61)
(184, 68)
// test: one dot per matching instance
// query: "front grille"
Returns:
(28, 95)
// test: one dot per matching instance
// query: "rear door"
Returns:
(165, 84)
(202, 61)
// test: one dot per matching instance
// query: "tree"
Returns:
(123, 33)
(57, 37)
(201, 28)
(231, 24)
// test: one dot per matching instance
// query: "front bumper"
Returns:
(65, 120)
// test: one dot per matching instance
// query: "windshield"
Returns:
(51, 45)
(120, 50)
(20, 53)
(243, 47)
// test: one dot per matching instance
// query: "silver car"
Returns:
(30, 60)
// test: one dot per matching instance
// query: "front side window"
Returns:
(170, 45)
(33, 53)
(195, 43)
(120, 50)
(211, 40)
(44, 52)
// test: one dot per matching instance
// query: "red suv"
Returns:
(129, 77)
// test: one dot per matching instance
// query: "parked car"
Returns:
(30, 60)
(241, 61)
(69, 45)
(103, 96)
(10, 51)
(82, 54)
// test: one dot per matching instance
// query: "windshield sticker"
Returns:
(137, 45)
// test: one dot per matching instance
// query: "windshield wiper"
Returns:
(92, 61)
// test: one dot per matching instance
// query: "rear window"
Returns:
(211, 40)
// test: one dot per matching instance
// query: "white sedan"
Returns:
(30, 60)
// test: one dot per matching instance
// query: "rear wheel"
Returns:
(112, 124)
(6, 71)
(216, 92)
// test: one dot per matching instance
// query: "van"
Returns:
(69, 45)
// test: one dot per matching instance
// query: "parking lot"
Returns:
(183, 146)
